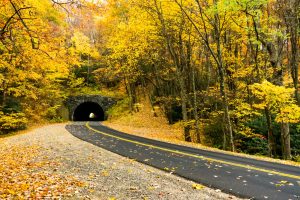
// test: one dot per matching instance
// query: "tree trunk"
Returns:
(129, 92)
(229, 125)
(223, 91)
(274, 49)
(285, 140)
(291, 11)
(180, 63)
(183, 95)
(294, 61)
(197, 129)
(3, 94)
(271, 139)
(224, 136)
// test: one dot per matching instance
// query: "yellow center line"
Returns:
(197, 156)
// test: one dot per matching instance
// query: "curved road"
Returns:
(242, 177)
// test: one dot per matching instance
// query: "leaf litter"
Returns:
(22, 176)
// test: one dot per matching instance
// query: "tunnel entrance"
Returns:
(88, 111)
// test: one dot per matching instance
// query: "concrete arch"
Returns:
(89, 102)
(88, 111)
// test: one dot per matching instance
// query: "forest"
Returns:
(226, 70)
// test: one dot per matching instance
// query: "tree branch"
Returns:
(17, 12)
(6, 25)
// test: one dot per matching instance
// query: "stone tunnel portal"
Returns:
(89, 111)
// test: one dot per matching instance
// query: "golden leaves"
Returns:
(23, 177)
(278, 99)
(82, 45)
(283, 183)
(198, 186)
(104, 173)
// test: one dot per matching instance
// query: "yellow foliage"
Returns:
(82, 45)
(278, 99)
(289, 114)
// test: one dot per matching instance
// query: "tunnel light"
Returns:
(92, 116)
(88, 111)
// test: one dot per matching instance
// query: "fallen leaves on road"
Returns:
(23, 176)
(198, 187)
(283, 183)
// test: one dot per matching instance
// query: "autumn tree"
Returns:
(280, 102)
(30, 57)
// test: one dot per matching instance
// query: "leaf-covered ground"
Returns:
(27, 174)
(49, 163)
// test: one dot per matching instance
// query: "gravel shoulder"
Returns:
(105, 175)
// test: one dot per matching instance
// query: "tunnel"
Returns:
(88, 111)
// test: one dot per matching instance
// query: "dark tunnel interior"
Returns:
(88, 111)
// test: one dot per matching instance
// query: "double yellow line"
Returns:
(197, 156)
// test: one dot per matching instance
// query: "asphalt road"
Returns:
(242, 177)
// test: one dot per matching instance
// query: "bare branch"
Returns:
(18, 13)
(8, 22)
(204, 37)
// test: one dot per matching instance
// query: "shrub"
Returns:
(296, 158)
(12, 122)
(120, 109)
(52, 113)
(295, 139)
(213, 133)
(255, 145)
